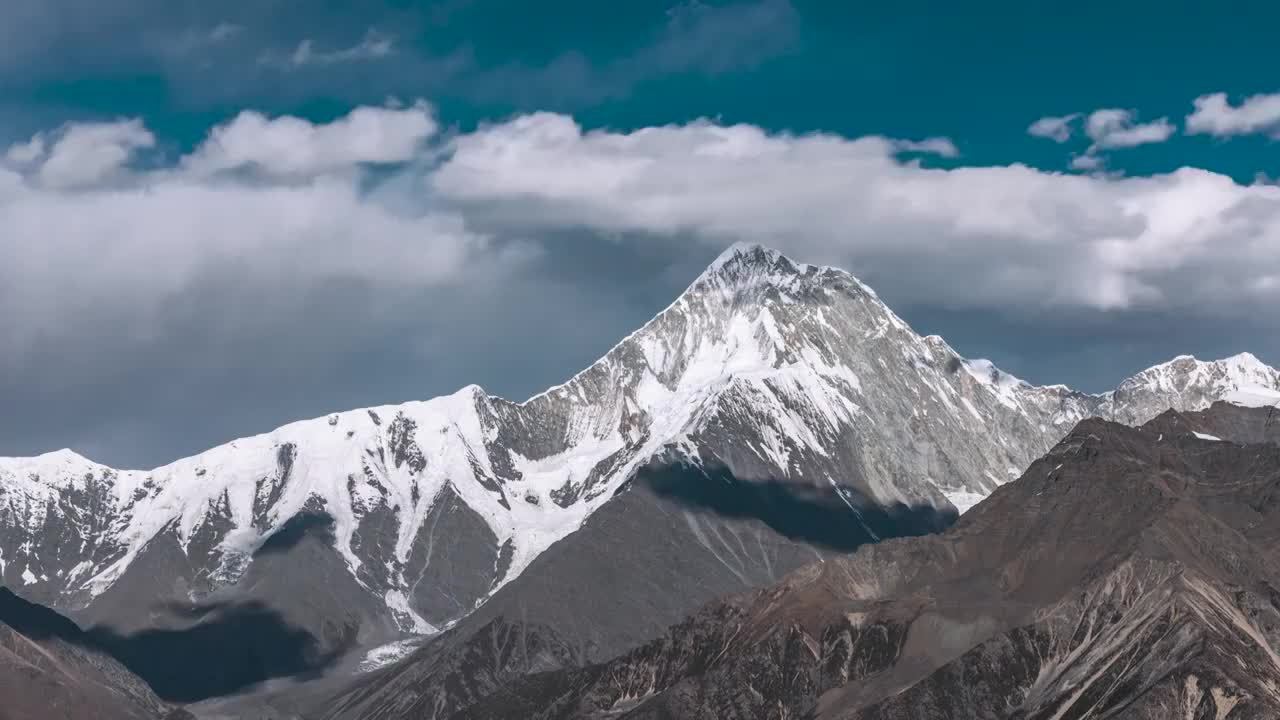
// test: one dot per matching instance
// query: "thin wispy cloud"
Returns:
(224, 31)
(940, 146)
(697, 39)
(1057, 129)
(373, 46)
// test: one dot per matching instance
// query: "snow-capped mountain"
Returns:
(777, 370)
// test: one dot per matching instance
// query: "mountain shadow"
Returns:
(229, 648)
(308, 523)
(834, 518)
(49, 667)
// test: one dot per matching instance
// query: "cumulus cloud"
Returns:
(93, 242)
(291, 146)
(274, 259)
(1111, 128)
(80, 154)
(994, 237)
(1057, 129)
(1215, 115)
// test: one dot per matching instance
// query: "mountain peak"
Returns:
(743, 260)
(54, 458)
(745, 252)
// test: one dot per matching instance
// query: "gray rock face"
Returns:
(1131, 572)
(780, 374)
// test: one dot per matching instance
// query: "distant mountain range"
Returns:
(774, 415)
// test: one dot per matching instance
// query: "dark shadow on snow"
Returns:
(822, 516)
(315, 523)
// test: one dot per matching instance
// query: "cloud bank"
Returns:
(95, 233)
(275, 209)
(375, 246)
(990, 237)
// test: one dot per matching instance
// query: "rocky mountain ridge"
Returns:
(1130, 573)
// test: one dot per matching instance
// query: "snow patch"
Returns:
(963, 499)
(388, 654)
(1253, 396)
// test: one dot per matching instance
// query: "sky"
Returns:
(216, 218)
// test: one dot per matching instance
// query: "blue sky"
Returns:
(224, 216)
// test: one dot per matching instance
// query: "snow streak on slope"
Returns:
(783, 371)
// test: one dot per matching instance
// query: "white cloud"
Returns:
(279, 209)
(1111, 128)
(1057, 129)
(1215, 115)
(81, 154)
(95, 245)
(291, 146)
(992, 237)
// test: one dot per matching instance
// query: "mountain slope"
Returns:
(1130, 573)
(675, 537)
(50, 668)
(363, 525)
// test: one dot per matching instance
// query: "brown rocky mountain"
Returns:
(1129, 573)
